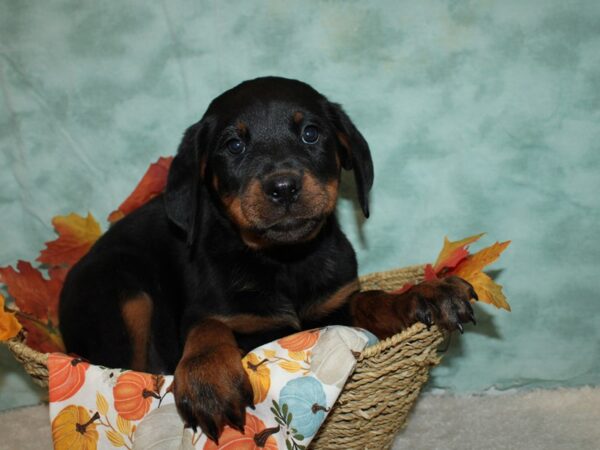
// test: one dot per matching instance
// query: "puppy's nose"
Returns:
(283, 190)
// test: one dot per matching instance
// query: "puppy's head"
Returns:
(270, 151)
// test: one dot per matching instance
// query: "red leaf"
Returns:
(40, 337)
(33, 294)
(152, 183)
(453, 253)
(430, 273)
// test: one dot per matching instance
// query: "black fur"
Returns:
(186, 253)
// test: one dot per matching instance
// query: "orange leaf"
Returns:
(488, 291)
(76, 235)
(453, 252)
(152, 183)
(9, 325)
(475, 263)
(33, 294)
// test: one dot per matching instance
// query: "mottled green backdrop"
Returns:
(482, 116)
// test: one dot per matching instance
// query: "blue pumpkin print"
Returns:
(306, 401)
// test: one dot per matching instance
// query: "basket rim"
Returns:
(18, 346)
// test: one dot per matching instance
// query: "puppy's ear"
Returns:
(183, 182)
(355, 154)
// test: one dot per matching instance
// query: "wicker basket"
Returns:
(379, 394)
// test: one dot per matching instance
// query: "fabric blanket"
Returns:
(296, 380)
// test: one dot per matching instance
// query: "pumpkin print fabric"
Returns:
(296, 380)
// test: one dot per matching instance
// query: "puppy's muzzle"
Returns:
(283, 189)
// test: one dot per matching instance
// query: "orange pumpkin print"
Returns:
(74, 428)
(256, 437)
(299, 341)
(133, 394)
(67, 375)
(259, 375)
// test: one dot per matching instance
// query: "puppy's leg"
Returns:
(136, 311)
(444, 303)
(211, 387)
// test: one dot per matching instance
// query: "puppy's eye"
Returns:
(310, 134)
(236, 146)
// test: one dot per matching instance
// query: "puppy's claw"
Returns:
(236, 421)
(460, 327)
(472, 317)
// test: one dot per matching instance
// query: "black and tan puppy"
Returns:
(243, 247)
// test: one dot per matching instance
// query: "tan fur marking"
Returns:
(331, 303)
(332, 194)
(298, 116)
(250, 323)
(203, 167)
(241, 128)
(343, 140)
(137, 315)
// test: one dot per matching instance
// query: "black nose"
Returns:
(283, 189)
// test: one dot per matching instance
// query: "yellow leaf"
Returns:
(475, 263)
(9, 325)
(453, 252)
(298, 356)
(115, 438)
(123, 425)
(290, 366)
(76, 234)
(101, 404)
(269, 353)
(488, 291)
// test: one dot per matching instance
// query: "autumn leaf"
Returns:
(298, 356)
(41, 337)
(489, 291)
(101, 404)
(9, 325)
(453, 252)
(115, 438)
(123, 425)
(76, 235)
(454, 259)
(290, 366)
(33, 294)
(475, 263)
(152, 183)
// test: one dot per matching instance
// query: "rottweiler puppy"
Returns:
(243, 247)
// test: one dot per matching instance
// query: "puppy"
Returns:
(242, 248)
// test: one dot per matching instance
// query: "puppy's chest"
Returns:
(277, 291)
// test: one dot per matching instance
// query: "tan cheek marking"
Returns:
(215, 183)
(332, 189)
(137, 315)
(322, 196)
(250, 323)
(233, 205)
(331, 303)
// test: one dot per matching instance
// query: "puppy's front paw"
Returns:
(444, 302)
(212, 390)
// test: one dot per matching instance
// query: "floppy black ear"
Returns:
(183, 182)
(355, 153)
